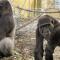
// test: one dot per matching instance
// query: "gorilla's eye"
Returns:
(41, 29)
(0, 15)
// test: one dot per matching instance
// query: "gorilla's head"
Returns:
(5, 8)
(46, 26)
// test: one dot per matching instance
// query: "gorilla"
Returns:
(47, 28)
(7, 29)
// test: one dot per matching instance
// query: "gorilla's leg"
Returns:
(50, 50)
(38, 54)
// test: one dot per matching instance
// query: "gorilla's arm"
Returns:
(39, 46)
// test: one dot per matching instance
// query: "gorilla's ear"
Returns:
(52, 21)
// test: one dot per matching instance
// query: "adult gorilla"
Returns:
(7, 29)
(47, 28)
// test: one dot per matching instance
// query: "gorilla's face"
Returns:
(46, 30)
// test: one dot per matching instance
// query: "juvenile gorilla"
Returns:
(7, 29)
(47, 28)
